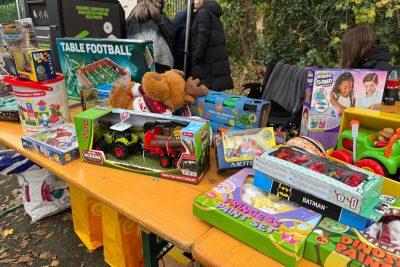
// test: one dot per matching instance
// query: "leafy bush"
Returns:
(306, 33)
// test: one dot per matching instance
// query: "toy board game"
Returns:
(90, 63)
(334, 244)
(330, 91)
(273, 226)
(58, 143)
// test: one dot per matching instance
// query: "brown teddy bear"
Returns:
(158, 93)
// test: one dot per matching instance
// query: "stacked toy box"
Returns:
(330, 91)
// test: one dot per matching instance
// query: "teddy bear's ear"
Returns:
(155, 86)
(181, 73)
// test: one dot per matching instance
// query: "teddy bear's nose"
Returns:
(157, 77)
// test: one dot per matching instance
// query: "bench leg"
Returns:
(151, 249)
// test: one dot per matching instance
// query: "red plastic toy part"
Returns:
(372, 166)
(342, 155)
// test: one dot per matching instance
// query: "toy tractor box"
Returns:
(91, 63)
(232, 110)
(164, 146)
(334, 244)
(34, 64)
(58, 143)
(376, 147)
(329, 92)
(273, 226)
(236, 149)
(317, 204)
(346, 186)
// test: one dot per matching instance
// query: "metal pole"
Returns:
(187, 37)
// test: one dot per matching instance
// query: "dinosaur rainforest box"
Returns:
(273, 226)
(159, 145)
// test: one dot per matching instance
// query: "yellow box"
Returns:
(34, 64)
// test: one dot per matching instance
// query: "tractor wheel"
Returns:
(175, 163)
(101, 145)
(137, 147)
(120, 151)
(372, 165)
(165, 161)
(342, 155)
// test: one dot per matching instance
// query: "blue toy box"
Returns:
(329, 91)
(316, 204)
(232, 110)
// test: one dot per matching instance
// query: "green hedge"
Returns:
(306, 33)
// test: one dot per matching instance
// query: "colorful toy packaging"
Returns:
(230, 110)
(8, 106)
(236, 149)
(371, 140)
(330, 91)
(336, 244)
(319, 205)
(58, 143)
(34, 64)
(90, 63)
(41, 104)
(346, 186)
(273, 226)
(164, 146)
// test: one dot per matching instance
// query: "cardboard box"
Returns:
(90, 63)
(8, 105)
(316, 204)
(57, 143)
(34, 64)
(323, 178)
(321, 113)
(159, 145)
(232, 110)
(279, 233)
(334, 244)
(236, 149)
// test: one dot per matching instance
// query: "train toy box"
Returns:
(164, 146)
(273, 226)
(34, 64)
(232, 110)
(334, 244)
(90, 63)
(330, 91)
(319, 205)
(236, 149)
(346, 186)
(58, 143)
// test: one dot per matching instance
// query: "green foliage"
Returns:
(8, 11)
(306, 33)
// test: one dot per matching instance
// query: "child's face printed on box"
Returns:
(345, 88)
(370, 87)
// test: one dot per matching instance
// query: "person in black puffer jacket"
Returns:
(361, 50)
(209, 55)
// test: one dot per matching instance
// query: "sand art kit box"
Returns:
(329, 92)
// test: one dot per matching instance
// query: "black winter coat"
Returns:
(378, 58)
(179, 23)
(209, 55)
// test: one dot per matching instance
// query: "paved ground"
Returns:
(49, 242)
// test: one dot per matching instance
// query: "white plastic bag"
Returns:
(43, 193)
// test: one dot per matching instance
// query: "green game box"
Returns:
(91, 63)
(333, 244)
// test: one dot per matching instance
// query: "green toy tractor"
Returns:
(120, 143)
(383, 160)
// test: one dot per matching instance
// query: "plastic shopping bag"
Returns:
(122, 239)
(86, 217)
(43, 193)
